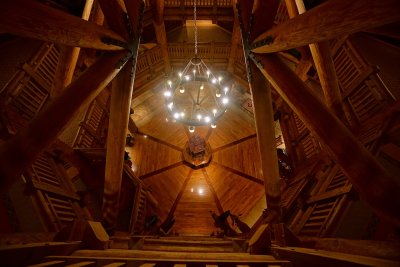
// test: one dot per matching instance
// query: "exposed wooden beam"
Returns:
(235, 142)
(179, 196)
(161, 34)
(116, 17)
(239, 173)
(121, 96)
(19, 152)
(265, 127)
(326, 21)
(262, 15)
(368, 177)
(215, 196)
(236, 39)
(35, 20)
(68, 59)
(209, 132)
(155, 139)
(135, 10)
(323, 62)
(167, 168)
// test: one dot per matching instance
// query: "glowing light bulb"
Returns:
(169, 83)
(202, 87)
(218, 93)
(214, 111)
(191, 129)
(167, 93)
(208, 73)
(200, 191)
(176, 115)
(180, 74)
(226, 90)
(225, 100)
(170, 105)
(219, 78)
(214, 80)
(182, 114)
(187, 77)
(207, 119)
(181, 90)
(199, 116)
(194, 71)
(213, 125)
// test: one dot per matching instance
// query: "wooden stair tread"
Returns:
(171, 256)
(188, 242)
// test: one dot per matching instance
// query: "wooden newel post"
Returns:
(368, 177)
(264, 120)
(19, 152)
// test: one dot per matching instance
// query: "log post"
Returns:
(264, 121)
(19, 152)
(368, 177)
(326, 21)
(321, 54)
(161, 35)
(35, 20)
(68, 59)
(121, 97)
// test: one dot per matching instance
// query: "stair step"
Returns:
(173, 242)
(208, 249)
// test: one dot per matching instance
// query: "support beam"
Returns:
(323, 62)
(327, 21)
(35, 20)
(161, 35)
(68, 59)
(135, 10)
(121, 97)
(264, 122)
(236, 39)
(18, 153)
(116, 17)
(368, 177)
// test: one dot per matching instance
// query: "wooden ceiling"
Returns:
(232, 181)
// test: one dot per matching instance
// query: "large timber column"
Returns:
(264, 120)
(121, 97)
(161, 34)
(368, 177)
(19, 152)
(321, 54)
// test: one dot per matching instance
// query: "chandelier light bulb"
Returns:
(194, 71)
(180, 74)
(214, 80)
(213, 125)
(207, 119)
(181, 90)
(202, 87)
(219, 78)
(218, 93)
(167, 93)
(170, 105)
(226, 90)
(225, 100)
(176, 115)
(208, 73)
(187, 77)
(182, 114)
(191, 129)
(170, 83)
(199, 116)
(214, 111)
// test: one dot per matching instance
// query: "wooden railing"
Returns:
(53, 192)
(92, 132)
(139, 206)
(29, 89)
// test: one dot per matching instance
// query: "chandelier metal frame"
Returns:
(196, 97)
